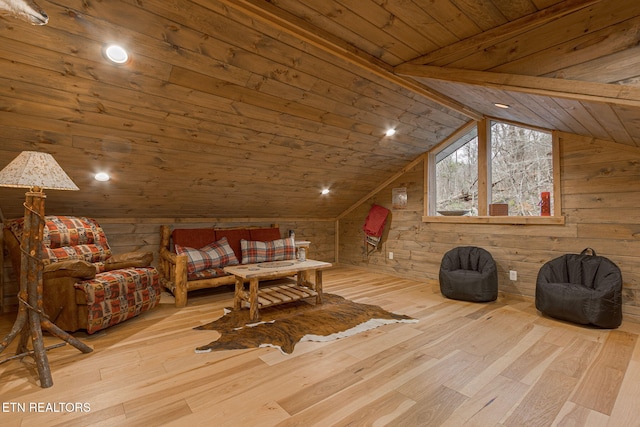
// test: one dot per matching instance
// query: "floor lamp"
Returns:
(35, 171)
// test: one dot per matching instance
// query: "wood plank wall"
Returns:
(127, 234)
(601, 202)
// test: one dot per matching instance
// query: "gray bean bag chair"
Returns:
(469, 273)
(581, 288)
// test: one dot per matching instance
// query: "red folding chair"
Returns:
(374, 226)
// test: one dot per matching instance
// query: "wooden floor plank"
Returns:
(554, 387)
(463, 363)
(508, 359)
(602, 382)
(299, 401)
(547, 397)
(576, 415)
(433, 409)
(340, 405)
(625, 410)
(379, 412)
(489, 404)
(533, 357)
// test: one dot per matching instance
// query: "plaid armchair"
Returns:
(85, 285)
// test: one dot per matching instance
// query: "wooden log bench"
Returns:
(174, 274)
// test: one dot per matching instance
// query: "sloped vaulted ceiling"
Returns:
(577, 72)
(249, 108)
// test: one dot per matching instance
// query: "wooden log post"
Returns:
(238, 295)
(31, 317)
(253, 299)
(32, 240)
(318, 287)
(165, 236)
(181, 284)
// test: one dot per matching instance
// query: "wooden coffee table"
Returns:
(278, 294)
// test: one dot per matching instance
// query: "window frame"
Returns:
(484, 161)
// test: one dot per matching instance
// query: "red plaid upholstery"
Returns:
(63, 231)
(69, 238)
(275, 250)
(113, 296)
(216, 254)
(118, 295)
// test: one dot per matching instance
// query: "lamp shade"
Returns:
(34, 169)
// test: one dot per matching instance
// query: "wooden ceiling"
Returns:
(249, 108)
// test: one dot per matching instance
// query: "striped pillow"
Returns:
(216, 254)
(275, 250)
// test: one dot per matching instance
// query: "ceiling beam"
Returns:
(495, 35)
(297, 27)
(560, 88)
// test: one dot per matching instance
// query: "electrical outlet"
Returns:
(513, 275)
(390, 255)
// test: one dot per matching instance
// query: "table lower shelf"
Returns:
(281, 294)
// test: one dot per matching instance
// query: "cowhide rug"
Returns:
(285, 325)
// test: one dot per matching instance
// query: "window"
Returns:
(457, 176)
(521, 168)
(494, 163)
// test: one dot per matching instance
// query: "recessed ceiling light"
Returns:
(102, 176)
(116, 54)
(499, 105)
(325, 191)
(390, 132)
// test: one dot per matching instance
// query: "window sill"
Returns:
(505, 220)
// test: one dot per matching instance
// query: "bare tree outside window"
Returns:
(457, 176)
(521, 167)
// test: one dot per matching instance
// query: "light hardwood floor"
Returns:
(463, 363)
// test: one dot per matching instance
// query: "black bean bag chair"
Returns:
(469, 273)
(581, 288)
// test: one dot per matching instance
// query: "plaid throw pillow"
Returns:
(275, 250)
(216, 254)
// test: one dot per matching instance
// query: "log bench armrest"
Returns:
(173, 274)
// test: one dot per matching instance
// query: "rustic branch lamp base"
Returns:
(42, 171)
(31, 318)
